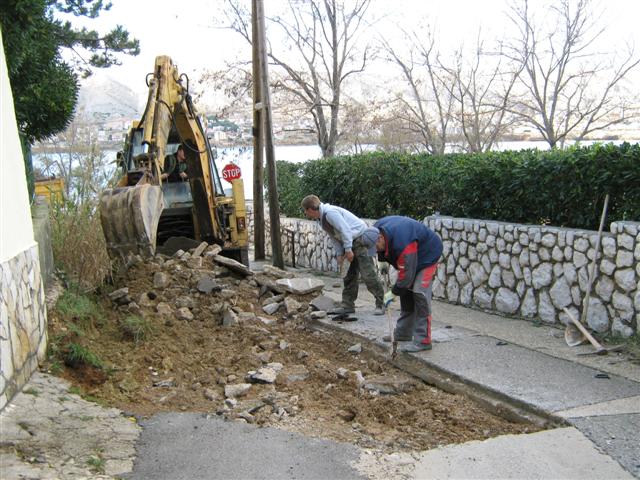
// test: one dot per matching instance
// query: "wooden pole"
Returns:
(258, 143)
(274, 208)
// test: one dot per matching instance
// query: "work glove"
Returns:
(388, 298)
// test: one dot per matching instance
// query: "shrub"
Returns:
(78, 244)
(79, 308)
(136, 328)
(76, 355)
(565, 188)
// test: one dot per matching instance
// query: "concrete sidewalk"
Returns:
(520, 369)
(591, 405)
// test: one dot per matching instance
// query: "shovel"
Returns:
(600, 350)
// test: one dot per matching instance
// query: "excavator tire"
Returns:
(129, 218)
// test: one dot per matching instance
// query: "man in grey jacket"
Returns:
(353, 241)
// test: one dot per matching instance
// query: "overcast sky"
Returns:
(185, 30)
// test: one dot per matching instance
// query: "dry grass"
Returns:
(78, 244)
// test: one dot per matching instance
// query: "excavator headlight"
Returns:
(242, 223)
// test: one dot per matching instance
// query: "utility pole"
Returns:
(274, 208)
(258, 143)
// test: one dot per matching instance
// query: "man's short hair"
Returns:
(311, 201)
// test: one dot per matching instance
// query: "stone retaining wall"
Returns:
(518, 270)
(23, 322)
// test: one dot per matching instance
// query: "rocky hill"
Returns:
(102, 99)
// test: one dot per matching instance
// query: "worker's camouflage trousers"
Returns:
(363, 266)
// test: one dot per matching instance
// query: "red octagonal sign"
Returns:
(231, 172)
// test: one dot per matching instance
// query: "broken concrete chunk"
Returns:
(291, 305)
(120, 295)
(267, 321)
(273, 299)
(185, 301)
(184, 313)
(231, 264)
(342, 373)
(228, 294)
(271, 308)
(388, 385)
(318, 314)
(263, 375)
(229, 318)
(355, 349)
(207, 284)
(213, 250)
(264, 357)
(300, 286)
(195, 262)
(164, 308)
(211, 394)
(268, 282)
(277, 272)
(161, 280)
(236, 390)
(324, 303)
(199, 249)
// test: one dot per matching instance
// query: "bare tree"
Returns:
(78, 160)
(427, 109)
(482, 90)
(318, 54)
(459, 100)
(570, 89)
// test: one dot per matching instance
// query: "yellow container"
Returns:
(51, 189)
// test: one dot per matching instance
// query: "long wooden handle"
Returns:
(592, 272)
(584, 331)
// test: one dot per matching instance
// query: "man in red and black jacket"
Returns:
(414, 250)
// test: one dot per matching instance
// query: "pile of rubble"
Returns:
(196, 331)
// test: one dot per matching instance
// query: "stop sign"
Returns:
(231, 172)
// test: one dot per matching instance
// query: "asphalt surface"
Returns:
(590, 405)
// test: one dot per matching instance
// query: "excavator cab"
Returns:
(143, 211)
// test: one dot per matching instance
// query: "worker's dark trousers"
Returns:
(364, 266)
(415, 308)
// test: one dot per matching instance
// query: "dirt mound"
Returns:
(186, 333)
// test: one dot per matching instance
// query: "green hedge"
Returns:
(564, 188)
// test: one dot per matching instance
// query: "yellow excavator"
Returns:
(145, 211)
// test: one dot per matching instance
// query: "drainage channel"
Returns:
(495, 402)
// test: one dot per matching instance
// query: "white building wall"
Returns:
(23, 316)
(16, 230)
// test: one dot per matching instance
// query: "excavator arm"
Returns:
(143, 209)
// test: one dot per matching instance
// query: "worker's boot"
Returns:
(416, 347)
(342, 310)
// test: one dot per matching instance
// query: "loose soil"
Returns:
(185, 365)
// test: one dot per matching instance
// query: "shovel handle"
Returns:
(584, 331)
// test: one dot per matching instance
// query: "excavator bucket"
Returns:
(129, 217)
